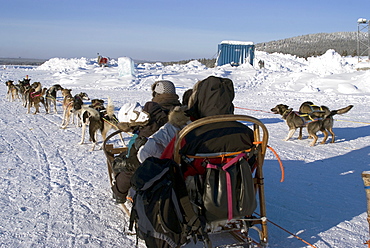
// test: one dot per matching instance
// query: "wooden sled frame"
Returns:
(110, 151)
(261, 138)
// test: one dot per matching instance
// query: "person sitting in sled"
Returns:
(157, 142)
(163, 101)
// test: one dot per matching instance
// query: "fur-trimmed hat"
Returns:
(177, 116)
(164, 86)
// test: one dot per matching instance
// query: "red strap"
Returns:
(228, 183)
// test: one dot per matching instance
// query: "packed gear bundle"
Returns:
(159, 216)
(223, 156)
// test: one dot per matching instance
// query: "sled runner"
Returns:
(221, 161)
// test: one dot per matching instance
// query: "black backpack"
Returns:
(161, 211)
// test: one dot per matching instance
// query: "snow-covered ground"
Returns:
(55, 193)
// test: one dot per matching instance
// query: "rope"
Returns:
(111, 123)
(367, 243)
(255, 110)
(294, 235)
(278, 158)
(280, 163)
(367, 123)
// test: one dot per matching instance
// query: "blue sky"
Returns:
(161, 30)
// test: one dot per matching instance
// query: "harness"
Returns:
(98, 107)
(320, 109)
(302, 116)
(49, 94)
(35, 94)
(70, 100)
(286, 113)
(112, 121)
(77, 97)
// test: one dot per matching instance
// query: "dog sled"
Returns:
(226, 191)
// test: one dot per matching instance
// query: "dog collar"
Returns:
(286, 114)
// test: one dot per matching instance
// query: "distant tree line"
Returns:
(344, 43)
(21, 61)
(210, 63)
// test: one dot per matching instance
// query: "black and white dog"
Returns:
(72, 106)
(51, 97)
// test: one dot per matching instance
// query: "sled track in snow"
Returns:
(53, 179)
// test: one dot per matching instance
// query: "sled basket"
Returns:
(232, 183)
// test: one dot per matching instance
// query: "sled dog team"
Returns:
(96, 116)
(314, 118)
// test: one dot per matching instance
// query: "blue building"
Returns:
(235, 53)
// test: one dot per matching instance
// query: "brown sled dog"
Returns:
(316, 121)
(13, 92)
(35, 96)
(324, 112)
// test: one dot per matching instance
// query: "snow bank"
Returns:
(281, 62)
(328, 73)
(61, 64)
(192, 66)
(329, 63)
